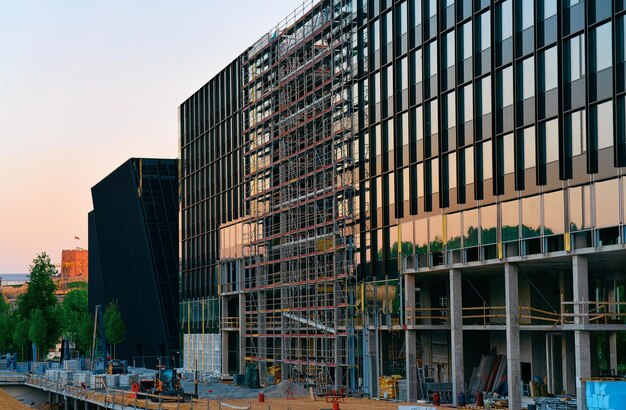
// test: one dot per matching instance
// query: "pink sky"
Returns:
(85, 86)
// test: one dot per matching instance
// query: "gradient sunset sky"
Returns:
(85, 85)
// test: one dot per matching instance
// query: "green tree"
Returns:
(6, 325)
(85, 334)
(40, 295)
(74, 313)
(37, 331)
(114, 329)
(20, 335)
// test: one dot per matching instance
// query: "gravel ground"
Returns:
(7, 402)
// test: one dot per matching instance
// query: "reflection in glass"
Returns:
(508, 148)
(470, 228)
(553, 213)
(607, 203)
(528, 8)
(419, 123)
(469, 165)
(485, 31)
(529, 147)
(578, 131)
(432, 58)
(435, 233)
(550, 79)
(549, 8)
(406, 233)
(510, 221)
(450, 52)
(421, 236)
(453, 230)
(506, 25)
(528, 78)
(467, 40)
(488, 224)
(603, 47)
(434, 164)
(485, 95)
(487, 158)
(579, 208)
(531, 217)
(604, 122)
(506, 87)
(451, 106)
(576, 49)
(393, 240)
(552, 140)
(451, 159)
(468, 103)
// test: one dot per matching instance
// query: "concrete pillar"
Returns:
(242, 333)
(568, 363)
(456, 333)
(410, 341)
(613, 352)
(582, 344)
(262, 339)
(513, 368)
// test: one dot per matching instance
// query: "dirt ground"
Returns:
(307, 404)
(7, 402)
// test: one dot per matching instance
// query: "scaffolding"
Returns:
(299, 279)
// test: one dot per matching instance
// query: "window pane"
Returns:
(453, 230)
(488, 224)
(435, 233)
(486, 95)
(576, 48)
(432, 58)
(468, 103)
(487, 167)
(506, 28)
(433, 119)
(402, 23)
(506, 84)
(451, 158)
(469, 165)
(435, 175)
(470, 228)
(510, 221)
(549, 8)
(607, 203)
(419, 123)
(604, 118)
(406, 233)
(451, 106)
(529, 147)
(508, 146)
(579, 208)
(578, 132)
(552, 141)
(531, 217)
(485, 31)
(467, 40)
(604, 47)
(450, 59)
(417, 66)
(550, 69)
(528, 78)
(553, 208)
(528, 8)
(421, 236)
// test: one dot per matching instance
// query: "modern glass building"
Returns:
(422, 183)
(133, 238)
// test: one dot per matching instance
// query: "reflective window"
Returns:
(508, 148)
(550, 77)
(401, 19)
(510, 221)
(391, 183)
(470, 228)
(468, 103)
(388, 78)
(607, 203)
(485, 31)
(435, 233)
(528, 8)
(529, 147)
(388, 28)
(432, 8)
(375, 35)
(433, 120)
(434, 168)
(421, 236)
(416, 6)
(432, 58)
(576, 49)
(451, 106)
(578, 132)
(453, 230)
(549, 8)
(551, 129)
(506, 25)
(379, 192)
(488, 224)
(403, 74)
(404, 130)
(485, 95)
(528, 78)
(553, 213)
(417, 66)
(406, 187)
(451, 159)
(579, 208)
(450, 52)
(419, 123)
(377, 94)
(469, 165)
(531, 216)
(603, 47)
(506, 87)
(406, 237)
(487, 166)
(420, 179)
(467, 40)
(604, 123)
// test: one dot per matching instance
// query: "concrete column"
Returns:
(613, 352)
(410, 341)
(582, 344)
(242, 333)
(262, 339)
(513, 368)
(456, 333)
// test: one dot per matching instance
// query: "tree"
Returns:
(74, 313)
(6, 325)
(40, 295)
(114, 329)
(37, 331)
(20, 334)
(84, 337)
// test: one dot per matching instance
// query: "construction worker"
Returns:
(159, 385)
(134, 387)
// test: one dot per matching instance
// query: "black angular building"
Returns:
(133, 237)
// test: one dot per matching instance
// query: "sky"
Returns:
(85, 85)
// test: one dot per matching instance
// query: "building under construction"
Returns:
(427, 189)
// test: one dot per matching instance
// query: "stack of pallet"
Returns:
(489, 376)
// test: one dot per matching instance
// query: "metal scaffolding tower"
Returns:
(299, 284)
